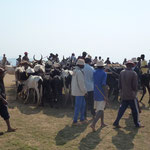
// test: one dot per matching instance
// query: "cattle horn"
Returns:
(41, 57)
(34, 58)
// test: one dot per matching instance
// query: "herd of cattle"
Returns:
(51, 82)
(43, 80)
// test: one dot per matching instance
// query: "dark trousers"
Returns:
(4, 111)
(135, 112)
(89, 103)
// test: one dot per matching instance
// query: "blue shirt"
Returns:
(88, 75)
(100, 78)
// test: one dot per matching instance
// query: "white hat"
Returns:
(49, 63)
(56, 65)
(100, 64)
(134, 59)
(80, 62)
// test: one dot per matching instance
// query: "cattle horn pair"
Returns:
(36, 59)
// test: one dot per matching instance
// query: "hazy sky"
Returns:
(114, 28)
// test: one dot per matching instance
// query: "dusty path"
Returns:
(9, 80)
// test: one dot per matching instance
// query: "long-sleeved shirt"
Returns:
(78, 84)
(88, 75)
(128, 84)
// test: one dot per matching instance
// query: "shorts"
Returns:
(4, 111)
(99, 105)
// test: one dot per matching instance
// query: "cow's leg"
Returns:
(27, 96)
(41, 96)
(116, 93)
(17, 94)
(148, 87)
(73, 101)
(38, 96)
(39, 91)
(34, 96)
(66, 97)
(144, 92)
(110, 91)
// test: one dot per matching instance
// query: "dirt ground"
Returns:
(9, 80)
(48, 128)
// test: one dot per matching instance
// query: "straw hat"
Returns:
(80, 62)
(129, 62)
(100, 64)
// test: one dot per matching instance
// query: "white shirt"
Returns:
(77, 84)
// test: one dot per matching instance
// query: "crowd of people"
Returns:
(89, 86)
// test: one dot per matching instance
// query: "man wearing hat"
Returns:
(25, 57)
(88, 75)
(128, 85)
(100, 93)
(3, 103)
(78, 90)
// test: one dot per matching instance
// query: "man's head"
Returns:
(80, 63)
(87, 60)
(142, 56)
(25, 53)
(84, 54)
(129, 64)
(19, 55)
(138, 58)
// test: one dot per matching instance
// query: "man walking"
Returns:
(100, 94)
(88, 75)
(78, 90)
(128, 84)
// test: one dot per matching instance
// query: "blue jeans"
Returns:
(79, 107)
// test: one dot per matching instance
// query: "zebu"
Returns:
(27, 82)
(33, 82)
(113, 72)
(145, 83)
(67, 77)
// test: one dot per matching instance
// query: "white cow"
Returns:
(33, 82)
(25, 83)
